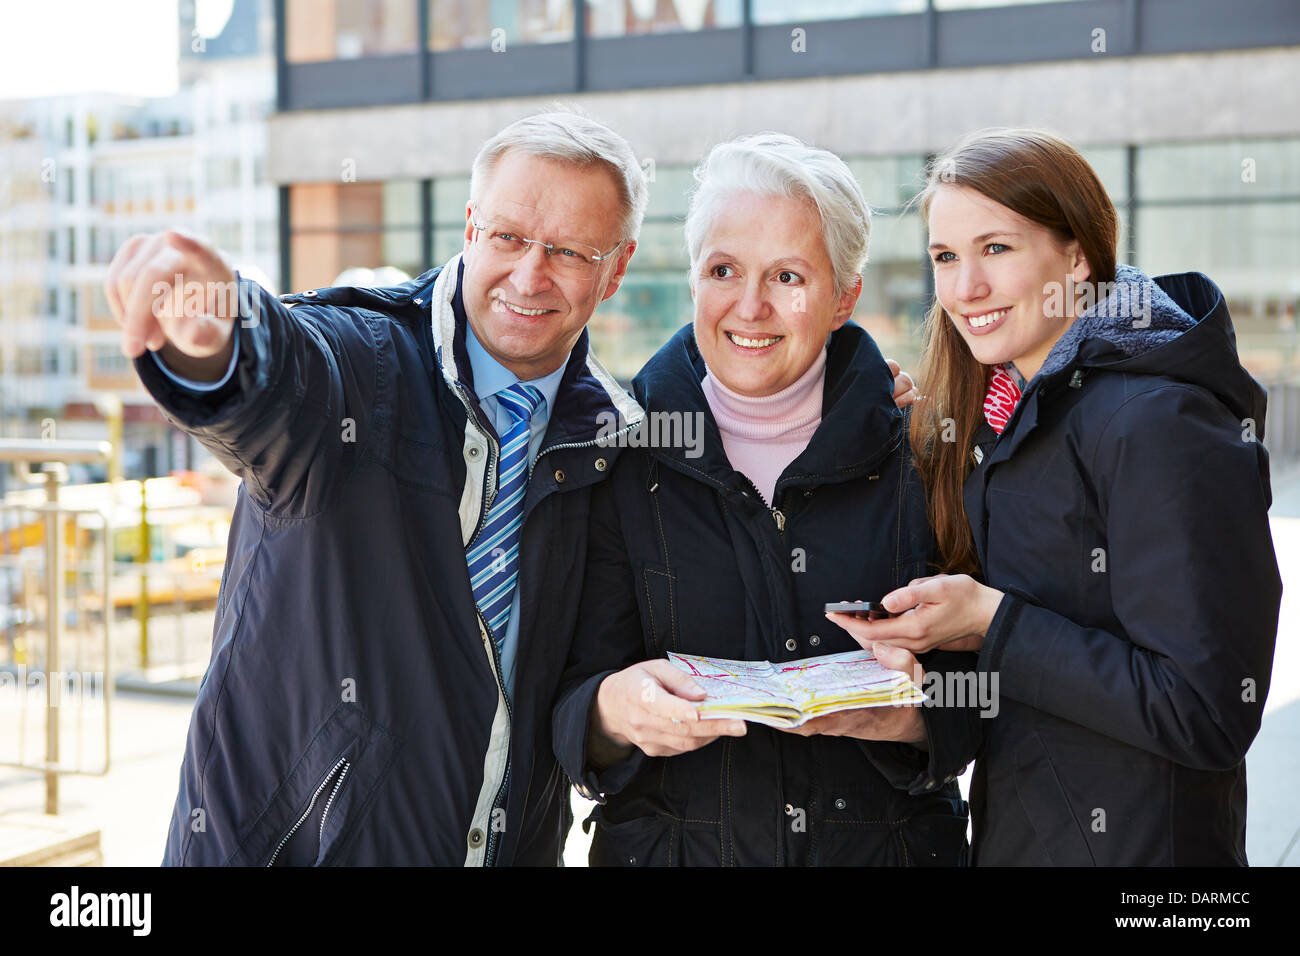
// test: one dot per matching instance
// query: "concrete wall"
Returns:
(1109, 100)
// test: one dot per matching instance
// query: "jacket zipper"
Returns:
(489, 854)
(777, 515)
(490, 475)
(578, 444)
(342, 763)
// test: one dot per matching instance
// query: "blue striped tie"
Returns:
(494, 556)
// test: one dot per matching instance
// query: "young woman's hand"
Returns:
(948, 611)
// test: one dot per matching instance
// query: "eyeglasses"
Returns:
(572, 258)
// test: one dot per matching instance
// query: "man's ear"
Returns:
(620, 270)
(848, 301)
(469, 225)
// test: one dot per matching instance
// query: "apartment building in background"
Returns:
(79, 175)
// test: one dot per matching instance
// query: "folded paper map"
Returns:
(792, 693)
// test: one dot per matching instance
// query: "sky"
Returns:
(50, 47)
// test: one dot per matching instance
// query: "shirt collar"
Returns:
(490, 376)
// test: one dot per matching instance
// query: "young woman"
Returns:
(731, 548)
(1089, 439)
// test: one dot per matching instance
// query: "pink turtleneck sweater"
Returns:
(761, 436)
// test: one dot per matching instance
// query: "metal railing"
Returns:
(53, 457)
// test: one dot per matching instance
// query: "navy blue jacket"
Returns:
(352, 712)
(686, 556)
(1124, 510)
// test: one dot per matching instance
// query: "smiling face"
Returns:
(764, 293)
(994, 272)
(525, 312)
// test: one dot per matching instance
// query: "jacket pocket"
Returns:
(641, 841)
(658, 608)
(937, 837)
(319, 806)
(1046, 804)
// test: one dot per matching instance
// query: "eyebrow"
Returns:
(509, 225)
(981, 238)
(723, 254)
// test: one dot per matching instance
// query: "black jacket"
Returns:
(1124, 509)
(686, 556)
(352, 710)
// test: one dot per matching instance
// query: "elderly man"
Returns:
(399, 591)
(375, 695)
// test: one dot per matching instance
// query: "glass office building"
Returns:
(1188, 109)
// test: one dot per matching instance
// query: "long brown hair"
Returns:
(1043, 178)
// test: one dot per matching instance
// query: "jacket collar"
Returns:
(860, 422)
(1175, 325)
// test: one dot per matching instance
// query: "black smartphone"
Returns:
(870, 610)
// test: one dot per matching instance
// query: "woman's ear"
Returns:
(1080, 270)
(848, 301)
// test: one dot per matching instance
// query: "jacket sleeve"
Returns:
(296, 407)
(1193, 582)
(608, 639)
(952, 726)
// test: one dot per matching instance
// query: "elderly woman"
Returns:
(802, 492)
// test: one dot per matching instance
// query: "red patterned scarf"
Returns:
(1000, 402)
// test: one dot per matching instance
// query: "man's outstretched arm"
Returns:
(297, 399)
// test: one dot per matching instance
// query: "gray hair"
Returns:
(774, 164)
(569, 136)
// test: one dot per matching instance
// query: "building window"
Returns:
(970, 4)
(108, 360)
(781, 11)
(319, 30)
(472, 24)
(607, 18)
(339, 226)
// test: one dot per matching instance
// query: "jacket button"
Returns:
(839, 803)
(631, 861)
(600, 464)
(814, 640)
(310, 294)
(473, 452)
(789, 809)
(791, 644)
(559, 475)
(475, 838)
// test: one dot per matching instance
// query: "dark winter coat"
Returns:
(1124, 509)
(353, 712)
(686, 556)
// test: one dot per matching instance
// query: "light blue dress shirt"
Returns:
(203, 386)
(490, 377)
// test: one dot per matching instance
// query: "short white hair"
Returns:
(774, 164)
(569, 136)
